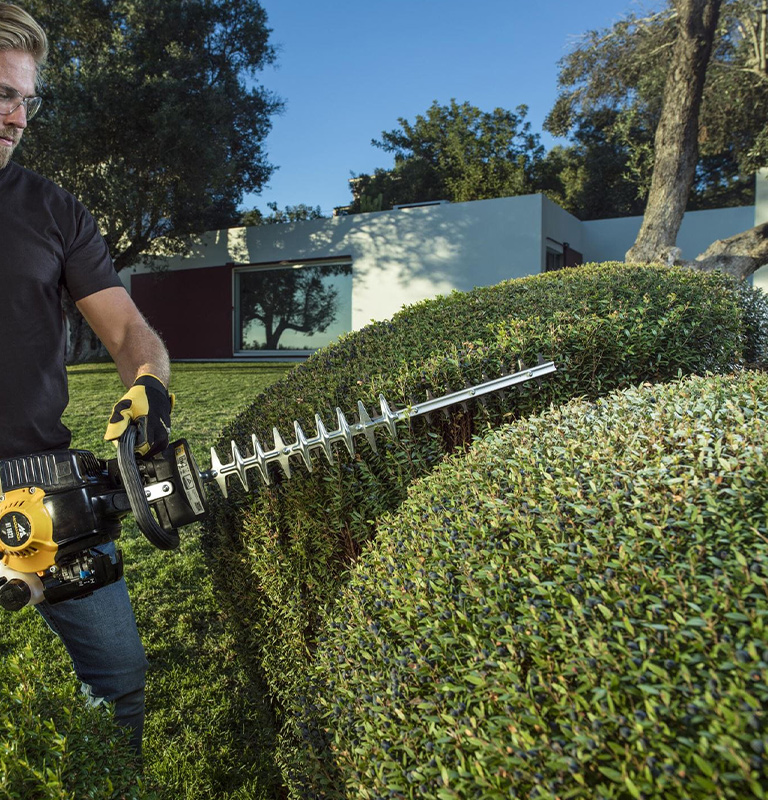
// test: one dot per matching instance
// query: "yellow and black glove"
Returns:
(148, 404)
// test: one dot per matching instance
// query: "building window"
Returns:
(561, 254)
(554, 259)
(291, 309)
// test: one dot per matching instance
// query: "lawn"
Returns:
(208, 731)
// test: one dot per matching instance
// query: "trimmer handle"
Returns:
(134, 488)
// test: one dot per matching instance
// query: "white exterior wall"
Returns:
(402, 256)
(560, 227)
(398, 257)
(609, 239)
(760, 278)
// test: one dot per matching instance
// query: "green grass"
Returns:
(208, 395)
(208, 731)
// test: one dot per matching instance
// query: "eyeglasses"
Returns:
(10, 100)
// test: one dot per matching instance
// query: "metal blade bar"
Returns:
(345, 433)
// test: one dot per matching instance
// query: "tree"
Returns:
(455, 152)
(711, 128)
(623, 70)
(297, 213)
(676, 151)
(676, 144)
(151, 114)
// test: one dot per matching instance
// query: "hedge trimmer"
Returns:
(57, 508)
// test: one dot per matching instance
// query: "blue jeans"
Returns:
(100, 635)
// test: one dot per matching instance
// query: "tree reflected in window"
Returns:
(296, 307)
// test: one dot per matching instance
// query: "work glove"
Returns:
(148, 405)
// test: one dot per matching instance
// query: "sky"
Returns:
(348, 70)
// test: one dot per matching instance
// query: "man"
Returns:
(51, 243)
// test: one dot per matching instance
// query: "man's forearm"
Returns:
(142, 352)
(134, 346)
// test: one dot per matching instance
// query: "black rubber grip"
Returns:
(134, 488)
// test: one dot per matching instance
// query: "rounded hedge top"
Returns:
(282, 554)
(577, 608)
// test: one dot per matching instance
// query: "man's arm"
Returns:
(135, 348)
(142, 362)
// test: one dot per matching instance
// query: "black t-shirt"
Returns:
(48, 240)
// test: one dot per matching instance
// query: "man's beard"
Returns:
(7, 152)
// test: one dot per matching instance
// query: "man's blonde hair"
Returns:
(18, 31)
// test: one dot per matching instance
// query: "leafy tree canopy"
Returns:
(612, 86)
(596, 175)
(454, 152)
(298, 213)
(151, 115)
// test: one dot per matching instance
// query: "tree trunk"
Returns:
(82, 343)
(676, 144)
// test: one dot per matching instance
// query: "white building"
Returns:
(241, 292)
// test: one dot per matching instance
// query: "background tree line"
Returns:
(155, 119)
(611, 92)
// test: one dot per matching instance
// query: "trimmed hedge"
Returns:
(754, 314)
(575, 609)
(282, 555)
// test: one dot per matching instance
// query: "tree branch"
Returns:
(739, 255)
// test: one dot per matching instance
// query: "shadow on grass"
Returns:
(210, 732)
(302, 748)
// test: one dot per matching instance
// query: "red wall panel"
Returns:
(190, 308)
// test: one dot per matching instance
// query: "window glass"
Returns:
(298, 307)
(554, 259)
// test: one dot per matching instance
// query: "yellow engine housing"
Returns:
(26, 531)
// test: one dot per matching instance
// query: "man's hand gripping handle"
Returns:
(148, 405)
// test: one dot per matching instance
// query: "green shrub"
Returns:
(282, 555)
(577, 608)
(53, 747)
(754, 313)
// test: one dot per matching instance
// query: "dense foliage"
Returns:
(454, 152)
(611, 90)
(151, 114)
(282, 554)
(576, 608)
(204, 614)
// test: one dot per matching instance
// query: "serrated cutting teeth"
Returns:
(345, 433)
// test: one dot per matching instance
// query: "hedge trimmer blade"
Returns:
(345, 432)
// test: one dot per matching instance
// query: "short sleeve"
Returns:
(88, 266)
